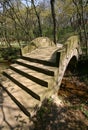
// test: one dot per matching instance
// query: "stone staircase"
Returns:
(32, 78)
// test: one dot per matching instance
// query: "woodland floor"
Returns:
(68, 110)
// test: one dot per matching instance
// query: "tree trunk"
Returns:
(52, 2)
(7, 41)
(81, 25)
(38, 18)
(84, 28)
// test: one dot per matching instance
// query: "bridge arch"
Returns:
(71, 67)
(69, 55)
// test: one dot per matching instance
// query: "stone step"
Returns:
(11, 112)
(48, 70)
(35, 76)
(21, 85)
(41, 61)
(17, 102)
(32, 78)
(22, 99)
(44, 53)
(35, 90)
(49, 56)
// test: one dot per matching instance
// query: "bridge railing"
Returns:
(71, 48)
(71, 43)
(37, 43)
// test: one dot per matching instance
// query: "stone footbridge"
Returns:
(36, 75)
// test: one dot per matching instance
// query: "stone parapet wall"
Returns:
(71, 48)
(37, 43)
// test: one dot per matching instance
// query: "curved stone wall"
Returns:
(70, 49)
(37, 43)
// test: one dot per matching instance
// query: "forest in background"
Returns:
(23, 20)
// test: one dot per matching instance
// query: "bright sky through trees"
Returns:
(29, 2)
